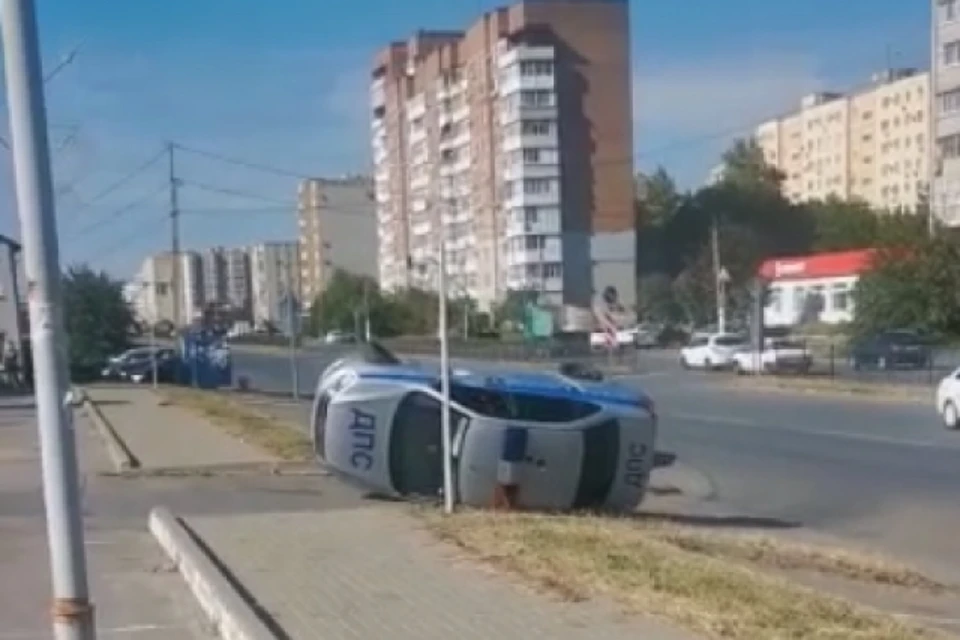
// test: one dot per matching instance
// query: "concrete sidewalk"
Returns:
(168, 436)
(133, 593)
(371, 572)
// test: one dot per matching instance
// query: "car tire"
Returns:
(951, 417)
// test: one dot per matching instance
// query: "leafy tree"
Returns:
(656, 299)
(513, 308)
(745, 166)
(911, 287)
(97, 318)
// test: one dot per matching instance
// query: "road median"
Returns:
(879, 391)
(736, 586)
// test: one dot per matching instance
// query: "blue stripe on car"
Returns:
(557, 390)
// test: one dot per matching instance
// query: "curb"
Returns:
(120, 455)
(230, 614)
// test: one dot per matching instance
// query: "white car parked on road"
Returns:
(711, 351)
(777, 356)
(948, 400)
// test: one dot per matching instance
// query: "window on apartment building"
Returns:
(948, 10)
(530, 215)
(538, 185)
(950, 146)
(531, 156)
(536, 68)
(949, 101)
(536, 98)
(951, 53)
(536, 127)
(552, 270)
(535, 242)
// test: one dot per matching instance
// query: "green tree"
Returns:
(97, 318)
(745, 166)
(346, 295)
(513, 309)
(913, 287)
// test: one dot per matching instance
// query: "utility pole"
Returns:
(445, 378)
(366, 311)
(72, 611)
(174, 239)
(718, 273)
(287, 276)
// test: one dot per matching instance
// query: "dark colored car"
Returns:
(141, 371)
(135, 362)
(891, 350)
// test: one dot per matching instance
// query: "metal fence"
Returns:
(832, 361)
(540, 352)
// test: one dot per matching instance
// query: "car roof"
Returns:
(534, 383)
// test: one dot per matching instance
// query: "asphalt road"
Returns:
(876, 471)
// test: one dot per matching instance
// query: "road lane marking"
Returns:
(826, 433)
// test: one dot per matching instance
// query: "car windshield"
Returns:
(728, 341)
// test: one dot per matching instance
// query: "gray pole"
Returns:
(72, 612)
(175, 288)
(294, 371)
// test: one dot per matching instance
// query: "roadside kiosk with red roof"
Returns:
(831, 276)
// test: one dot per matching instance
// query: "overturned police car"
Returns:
(575, 444)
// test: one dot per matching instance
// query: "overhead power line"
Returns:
(122, 181)
(117, 244)
(255, 166)
(118, 213)
(273, 210)
(236, 193)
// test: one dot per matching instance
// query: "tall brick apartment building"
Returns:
(513, 140)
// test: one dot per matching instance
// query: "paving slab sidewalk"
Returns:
(165, 436)
(372, 572)
(133, 592)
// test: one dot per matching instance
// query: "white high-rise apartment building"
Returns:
(239, 285)
(945, 53)
(511, 141)
(871, 144)
(274, 273)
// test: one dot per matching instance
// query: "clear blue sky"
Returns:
(284, 83)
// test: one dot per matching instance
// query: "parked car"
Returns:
(778, 356)
(899, 349)
(136, 361)
(141, 371)
(948, 400)
(711, 351)
(339, 337)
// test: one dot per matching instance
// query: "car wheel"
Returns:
(951, 418)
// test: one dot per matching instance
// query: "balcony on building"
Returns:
(378, 96)
(510, 53)
(535, 192)
(416, 107)
(539, 133)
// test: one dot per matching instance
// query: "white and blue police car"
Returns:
(575, 444)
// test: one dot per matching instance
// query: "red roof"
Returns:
(819, 265)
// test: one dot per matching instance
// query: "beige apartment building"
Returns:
(337, 221)
(871, 144)
(511, 142)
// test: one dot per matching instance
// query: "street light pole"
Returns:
(445, 380)
(72, 611)
(718, 273)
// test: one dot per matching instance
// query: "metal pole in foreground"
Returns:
(72, 612)
(445, 382)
